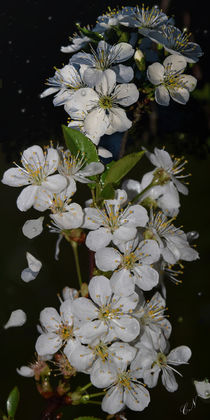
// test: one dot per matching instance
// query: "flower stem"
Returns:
(94, 402)
(97, 394)
(86, 387)
(136, 198)
(76, 258)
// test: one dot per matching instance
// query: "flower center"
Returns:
(106, 102)
(65, 331)
(161, 360)
(107, 312)
(124, 380)
(129, 260)
(101, 350)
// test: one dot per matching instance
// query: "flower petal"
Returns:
(48, 343)
(179, 355)
(122, 282)
(84, 309)
(148, 251)
(162, 96)
(107, 83)
(138, 398)
(126, 94)
(102, 374)
(33, 227)
(125, 327)
(168, 380)
(118, 121)
(55, 183)
(15, 177)
(81, 358)
(91, 330)
(180, 95)
(33, 157)
(16, 319)
(100, 290)
(98, 239)
(124, 74)
(155, 73)
(52, 160)
(96, 123)
(107, 259)
(146, 277)
(25, 371)
(27, 197)
(66, 312)
(175, 62)
(50, 319)
(34, 264)
(113, 401)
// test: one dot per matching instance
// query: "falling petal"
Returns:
(16, 319)
(33, 227)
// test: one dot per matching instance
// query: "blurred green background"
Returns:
(33, 34)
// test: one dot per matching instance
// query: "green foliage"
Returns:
(120, 168)
(12, 402)
(78, 142)
(202, 94)
(108, 192)
(94, 36)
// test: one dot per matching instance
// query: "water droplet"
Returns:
(27, 61)
(199, 293)
(9, 42)
(23, 110)
(83, 93)
(34, 229)
(49, 18)
(20, 91)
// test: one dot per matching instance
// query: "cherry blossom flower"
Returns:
(36, 173)
(131, 266)
(113, 223)
(177, 42)
(151, 362)
(173, 242)
(169, 80)
(146, 20)
(78, 41)
(64, 83)
(124, 388)
(58, 330)
(101, 108)
(203, 388)
(108, 314)
(105, 57)
(34, 267)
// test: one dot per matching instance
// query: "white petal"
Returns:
(71, 219)
(107, 259)
(189, 81)
(33, 227)
(66, 312)
(96, 123)
(126, 328)
(125, 303)
(203, 388)
(138, 398)
(107, 83)
(123, 353)
(175, 62)
(14, 177)
(168, 380)
(55, 183)
(91, 330)
(52, 160)
(33, 156)
(146, 277)
(180, 95)
(27, 197)
(50, 319)
(16, 319)
(93, 76)
(137, 215)
(98, 239)
(81, 358)
(148, 251)
(25, 371)
(102, 374)
(124, 74)
(118, 121)
(28, 275)
(84, 309)
(83, 101)
(126, 94)
(34, 264)
(122, 51)
(124, 233)
(100, 290)
(155, 73)
(48, 344)
(113, 401)
(48, 91)
(179, 355)
(93, 168)
(104, 152)
(162, 96)
(122, 282)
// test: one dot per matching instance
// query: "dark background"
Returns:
(33, 32)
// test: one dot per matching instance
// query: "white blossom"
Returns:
(131, 266)
(151, 363)
(58, 330)
(64, 83)
(77, 42)
(146, 20)
(101, 108)
(177, 42)
(203, 388)
(105, 57)
(36, 173)
(172, 241)
(108, 314)
(170, 81)
(113, 223)
(16, 319)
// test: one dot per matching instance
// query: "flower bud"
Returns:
(139, 60)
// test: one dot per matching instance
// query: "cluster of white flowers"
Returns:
(115, 335)
(95, 87)
(110, 330)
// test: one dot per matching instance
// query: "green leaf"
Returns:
(104, 174)
(87, 418)
(120, 168)
(95, 36)
(12, 402)
(108, 192)
(78, 142)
